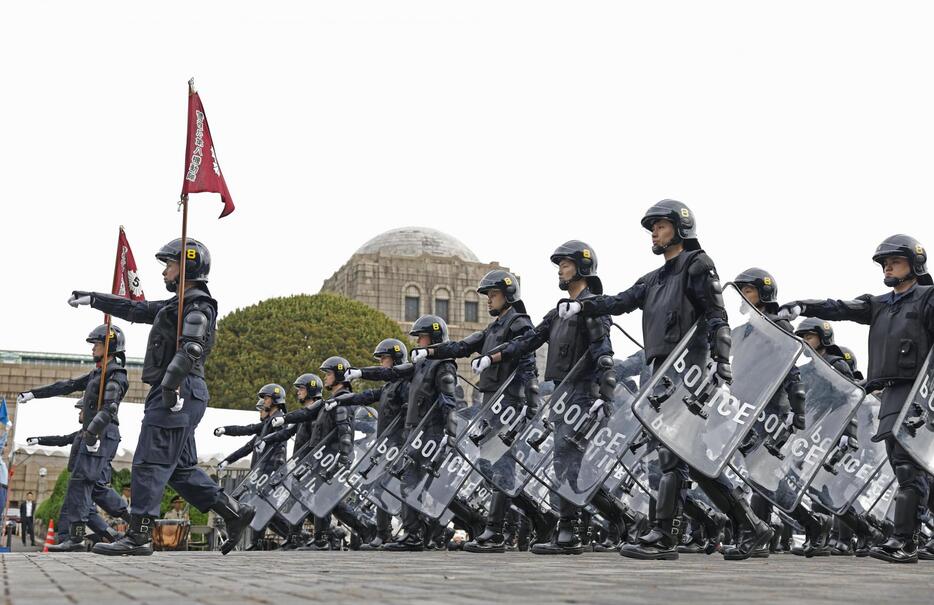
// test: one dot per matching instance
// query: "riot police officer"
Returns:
(174, 369)
(568, 342)
(686, 288)
(901, 332)
(504, 303)
(267, 455)
(431, 392)
(392, 398)
(95, 446)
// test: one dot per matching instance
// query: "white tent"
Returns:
(58, 416)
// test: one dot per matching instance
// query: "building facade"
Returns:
(413, 271)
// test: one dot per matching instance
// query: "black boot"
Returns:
(543, 523)
(136, 542)
(842, 544)
(819, 545)
(660, 544)
(926, 552)
(412, 540)
(383, 532)
(74, 542)
(754, 533)
(712, 522)
(321, 540)
(236, 517)
(566, 541)
(902, 547)
(492, 539)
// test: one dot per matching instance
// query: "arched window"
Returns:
(471, 307)
(413, 297)
(443, 304)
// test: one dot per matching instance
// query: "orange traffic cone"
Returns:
(49, 536)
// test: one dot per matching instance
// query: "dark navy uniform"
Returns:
(90, 470)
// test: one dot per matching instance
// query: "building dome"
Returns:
(414, 241)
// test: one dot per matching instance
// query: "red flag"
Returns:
(202, 170)
(126, 279)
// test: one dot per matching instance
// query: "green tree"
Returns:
(278, 339)
(51, 507)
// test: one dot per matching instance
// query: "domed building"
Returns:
(410, 271)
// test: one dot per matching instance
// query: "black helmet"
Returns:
(117, 340)
(275, 391)
(432, 325)
(763, 282)
(505, 282)
(678, 215)
(392, 347)
(313, 385)
(822, 328)
(335, 364)
(585, 259)
(850, 359)
(197, 259)
(907, 247)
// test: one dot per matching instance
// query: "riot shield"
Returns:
(326, 482)
(430, 471)
(248, 490)
(702, 423)
(914, 429)
(782, 474)
(846, 474)
(584, 445)
(274, 497)
(376, 464)
(299, 480)
(489, 439)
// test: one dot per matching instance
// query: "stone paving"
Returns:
(442, 577)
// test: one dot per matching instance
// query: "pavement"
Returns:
(453, 577)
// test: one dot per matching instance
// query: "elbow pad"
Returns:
(344, 430)
(447, 383)
(178, 368)
(796, 395)
(99, 423)
(720, 345)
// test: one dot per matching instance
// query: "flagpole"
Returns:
(183, 204)
(108, 320)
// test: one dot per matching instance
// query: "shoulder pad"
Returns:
(701, 264)
(521, 324)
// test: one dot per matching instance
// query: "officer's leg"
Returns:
(750, 532)
(492, 539)
(710, 519)
(78, 502)
(910, 503)
(413, 535)
(356, 521)
(662, 541)
(383, 530)
(110, 501)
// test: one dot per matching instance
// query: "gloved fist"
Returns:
(418, 355)
(800, 422)
(352, 374)
(224, 464)
(568, 309)
(79, 297)
(330, 404)
(791, 311)
(724, 372)
(91, 443)
(24, 397)
(260, 447)
(277, 421)
(32, 441)
(481, 363)
(849, 444)
(219, 431)
(599, 409)
(343, 461)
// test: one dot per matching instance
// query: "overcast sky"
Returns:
(799, 132)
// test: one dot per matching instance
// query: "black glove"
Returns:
(724, 372)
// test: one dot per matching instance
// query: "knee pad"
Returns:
(667, 460)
